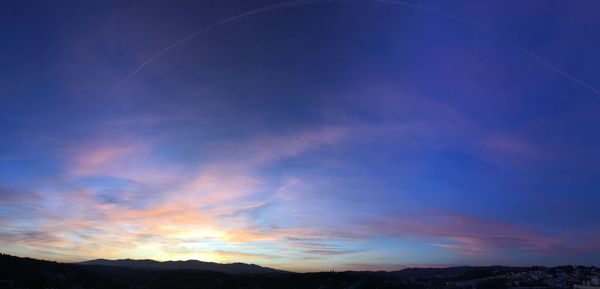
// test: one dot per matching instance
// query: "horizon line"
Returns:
(408, 266)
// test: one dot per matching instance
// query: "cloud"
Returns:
(146, 120)
(330, 252)
(512, 148)
(468, 234)
(262, 149)
(32, 238)
(390, 267)
(8, 195)
(233, 255)
(219, 183)
(103, 158)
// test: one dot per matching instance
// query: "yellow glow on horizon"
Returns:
(200, 234)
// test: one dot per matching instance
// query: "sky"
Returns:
(346, 135)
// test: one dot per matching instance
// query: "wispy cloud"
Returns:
(466, 233)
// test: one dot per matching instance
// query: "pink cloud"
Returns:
(101, 157)
(217, 183)
(466, 233)
(503, 147)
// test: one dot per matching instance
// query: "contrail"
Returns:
(293, 3)
(213, 26)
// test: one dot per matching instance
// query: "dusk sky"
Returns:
(346, 135)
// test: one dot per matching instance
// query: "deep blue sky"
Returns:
(331, 135)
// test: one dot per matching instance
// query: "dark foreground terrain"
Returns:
(18, 272)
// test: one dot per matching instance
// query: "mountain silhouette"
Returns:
(231, 268)
(28, 273)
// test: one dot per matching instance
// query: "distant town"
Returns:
(578, 277)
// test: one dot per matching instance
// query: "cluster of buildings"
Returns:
(592, 283)
(565, 277)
